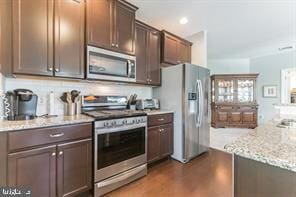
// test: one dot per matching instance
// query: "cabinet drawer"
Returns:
(40, 136)
(160, 119)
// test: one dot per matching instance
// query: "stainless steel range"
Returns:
(120, 142)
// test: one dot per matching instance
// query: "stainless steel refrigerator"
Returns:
(186, 90)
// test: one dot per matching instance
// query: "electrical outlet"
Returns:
(41, 100)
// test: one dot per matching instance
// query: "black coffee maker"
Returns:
(23, 104)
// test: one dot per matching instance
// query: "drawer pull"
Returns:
(53, 154)
(56, 135)
(61, 152)
(161, 119)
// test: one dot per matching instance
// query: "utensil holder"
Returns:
(78, 107)
(70, 109)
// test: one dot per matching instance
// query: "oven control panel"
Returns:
(121, 122)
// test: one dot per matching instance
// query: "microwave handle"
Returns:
(129, 68)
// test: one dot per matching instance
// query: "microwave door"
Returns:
(113, 66)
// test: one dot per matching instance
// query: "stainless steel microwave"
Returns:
(109, 65)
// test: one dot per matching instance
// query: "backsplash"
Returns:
(43, 87)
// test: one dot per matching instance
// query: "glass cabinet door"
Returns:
(225, 90)
(245, 90)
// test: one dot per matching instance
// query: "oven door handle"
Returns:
(121, 177)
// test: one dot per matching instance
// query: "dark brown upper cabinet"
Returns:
(69, 38)
(33, 37)
(147, 54)
(175, 50)
(5, 36)
(46, 29)
(111, 25)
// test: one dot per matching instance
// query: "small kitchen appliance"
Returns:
(109, 65)
(22, 104)
(147, 104)
(120, 142)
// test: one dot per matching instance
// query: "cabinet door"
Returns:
(99, 23)
(33, 37)
(69, 38)
(141, 53)
(235, 117)
(74, 168)
(170, 53)
(125, 29)
(154, 58)
(34, 168)
(166, 140)
(245, 90)
(184, 52)
(222, 117)
(153, 144)
(250, 117)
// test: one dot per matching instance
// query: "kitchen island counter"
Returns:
(268, 144)
(43, 122)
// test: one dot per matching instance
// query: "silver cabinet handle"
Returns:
(57, 70)
(161, 119)
(56, 135)
(53, 154)
(50, 69)
(117, 45)
(61, 152)
(113, 45)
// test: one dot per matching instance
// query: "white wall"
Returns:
(229, 66)
(269, 69)
(43, 87)
(199, 51)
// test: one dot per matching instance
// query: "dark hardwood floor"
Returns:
(209, 175)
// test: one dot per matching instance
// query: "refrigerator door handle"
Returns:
(201, 103)
(198, 104)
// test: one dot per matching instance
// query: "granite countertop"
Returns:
(43, 122)
(268, 144)
(158, 111)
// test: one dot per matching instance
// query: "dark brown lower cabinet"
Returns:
(160, 142)
(35, 169)
(166, 140)
(74, 168)
(63, 168)
(160, 137)
(153, 144)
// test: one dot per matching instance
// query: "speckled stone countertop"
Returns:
(156, 112)
(268, 144)
(43, 122)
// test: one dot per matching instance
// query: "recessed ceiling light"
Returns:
(183, 21)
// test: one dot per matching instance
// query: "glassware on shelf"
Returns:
(245, 91)
(225, 90)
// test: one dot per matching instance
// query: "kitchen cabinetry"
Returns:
(234, 101)
(147, 54)
(34, 23)
(175, 50)
(69, 39)
(160, 136)
(5, 36)
(54, 161)
(111, 25)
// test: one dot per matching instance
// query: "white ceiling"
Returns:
(236, 28)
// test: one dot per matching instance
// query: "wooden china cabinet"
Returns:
(234, 101)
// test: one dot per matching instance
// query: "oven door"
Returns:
(108, 65)
(119, 149)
